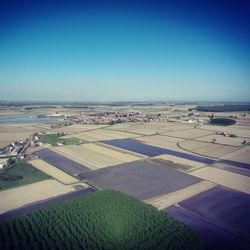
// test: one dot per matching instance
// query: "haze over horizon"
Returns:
(133, 51)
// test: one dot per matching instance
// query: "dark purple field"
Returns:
(237, 164)
(213, 236)
(145, 149)
(220, 215)
(141, 179)
(61, 162)
(225, 207)
(41, 204)
(232, 169)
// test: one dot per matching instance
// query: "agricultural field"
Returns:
(61, 162)
(239, 130)
(151, 151)
(76, 128)
(167, 200)
(207, 149)
(84, 190)
(54, 139)
(141, 179)
(102, 220)
(20, 196)
(185, 163)
(189, 133)
(87, 156)
(100, 135)
(234, 169)
(241, 155)
(225, 178)
(22, 173)
(219, 215)
(53, 171)
(219, 139)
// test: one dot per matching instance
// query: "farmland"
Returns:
(22, 173)
(61, 162)
(95, 156)
(53, 171)
(111, 220)
(141, 179)
(54, 139)
(100, 135)
(30, 193)
(145, 149)
(220, 215)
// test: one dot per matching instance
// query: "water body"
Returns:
(25, 119)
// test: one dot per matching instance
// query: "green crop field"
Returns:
(53, 139)
(21, 173)
(102, 220)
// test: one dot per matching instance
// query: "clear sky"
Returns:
(125, 50)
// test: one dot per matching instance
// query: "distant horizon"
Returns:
(121, 101)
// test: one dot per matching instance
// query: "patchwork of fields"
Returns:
(140, 179)
(221, 216)
(100, 135)
(61, 162)
(53, 171)
(172, 166)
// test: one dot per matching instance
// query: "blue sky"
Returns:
(125, 50)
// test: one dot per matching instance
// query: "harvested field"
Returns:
(224, 178)
(242, 155)
(214, 237)
(233, 169)
(6, 138)
(145, 149)
(224, 207)
(61, 162)
(207, 149)
(76, 128)
(167, 200)
(101, 134)
(141, 179)
(241, 131)
(178, 160)
(53, 171)
(222, 140)
(189, 133)
(160, 139)
(20, 196)
(103, 149)
(85, 155)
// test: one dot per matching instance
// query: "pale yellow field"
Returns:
(179, 160)
(207, 149)
(243, 131)
(6, 138)
(172, 198)
(241, 155)
(75, 128)
(121, 156)
(87, 157)
(124, 151)
(17, 197)
(161, 141)
(189, 133)
(53, 171)
(224, 178)
(223, 140)
(101, 134)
